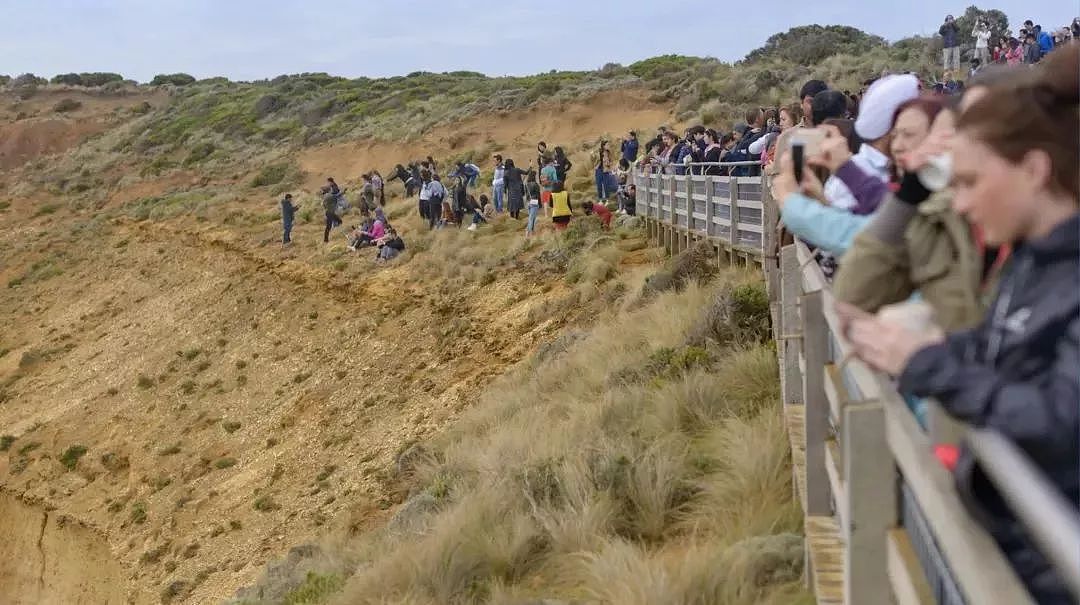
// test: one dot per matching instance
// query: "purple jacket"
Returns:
(867, 189)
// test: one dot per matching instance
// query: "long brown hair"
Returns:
(1041, 112)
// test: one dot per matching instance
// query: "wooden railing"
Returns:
(884, 522)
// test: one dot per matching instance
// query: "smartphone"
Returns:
(798, 159)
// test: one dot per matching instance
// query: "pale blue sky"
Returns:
(251, 39)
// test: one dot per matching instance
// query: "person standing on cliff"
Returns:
(288, 213)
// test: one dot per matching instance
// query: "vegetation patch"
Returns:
(70, 457)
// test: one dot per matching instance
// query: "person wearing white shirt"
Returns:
(877, 109)
(982, 43)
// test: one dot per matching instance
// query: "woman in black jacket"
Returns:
(714, 152)
(562, 165)
(1016, 175)
(515, 188)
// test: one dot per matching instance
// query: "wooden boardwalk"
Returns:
(826, 550)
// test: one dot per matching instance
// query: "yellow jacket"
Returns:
(560, 204)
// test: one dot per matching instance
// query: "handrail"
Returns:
(851, 412)
(1044, 513)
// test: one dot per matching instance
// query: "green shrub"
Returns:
(271, 174)
(199, 153)
(70, 457)
(66, 105)
(179, 79)
(316, 588)
(224, 463)
(5, 442)
(138, 513)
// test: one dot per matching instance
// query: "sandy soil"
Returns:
(233, 399)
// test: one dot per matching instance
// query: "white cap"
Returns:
(880, 103)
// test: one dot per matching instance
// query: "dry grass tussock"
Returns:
(671, 486)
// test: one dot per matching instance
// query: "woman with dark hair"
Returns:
(714, 153)
(515, 188)
(1016, 174)
(562, 165)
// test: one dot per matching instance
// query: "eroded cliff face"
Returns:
(46, 557)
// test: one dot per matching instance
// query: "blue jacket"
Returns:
(1018, 373)
(630, 150)
(1046, 43)
(828, 228)
(468, 171)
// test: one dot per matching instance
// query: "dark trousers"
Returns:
(332, 220)
(423, 209)
(287, 232)
(434, 212)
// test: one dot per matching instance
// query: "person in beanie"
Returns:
(288, 213)
(879, 105)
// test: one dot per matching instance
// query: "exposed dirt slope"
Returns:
(233, 399)
(31, 128)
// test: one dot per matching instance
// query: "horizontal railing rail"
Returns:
(1046, 515)
(905, 534)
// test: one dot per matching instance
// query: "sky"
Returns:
(254, 39)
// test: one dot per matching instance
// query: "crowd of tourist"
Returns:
(514, 191)
(946, 212)
(949, 222)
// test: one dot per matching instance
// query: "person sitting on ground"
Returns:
(487, 209)
(630, 203)
(390, 246)
(288, 213)
(476, 209)
(366, 235)
(561, 209)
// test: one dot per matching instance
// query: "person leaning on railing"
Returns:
(917, 243)
(1016, 177)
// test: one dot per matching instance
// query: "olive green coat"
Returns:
(938, 259)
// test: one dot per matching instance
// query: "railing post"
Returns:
(733, 235)
(815, 355)
(870, 509)
(709, 185)
(790, 340)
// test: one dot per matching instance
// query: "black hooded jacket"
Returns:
(1018, 373)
